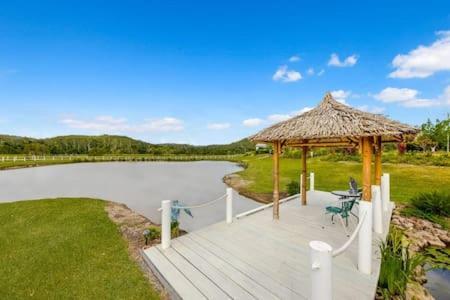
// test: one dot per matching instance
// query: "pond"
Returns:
(140, 185)
(439, 283)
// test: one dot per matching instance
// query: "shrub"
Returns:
(434, 203)
(397, 265)
(153, 233)
(434, 207)
(293, 188)
(175, 228)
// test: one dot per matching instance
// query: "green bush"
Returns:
(397, 265)
(153, 233)
(438, 258)
(433, 206)
(293, 188)
(435, 203)
(175, 228)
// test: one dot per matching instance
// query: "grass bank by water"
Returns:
(406, 180)
(65, 249)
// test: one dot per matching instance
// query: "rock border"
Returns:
(420, 234)
(131, 226)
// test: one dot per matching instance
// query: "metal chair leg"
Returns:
(343, 225)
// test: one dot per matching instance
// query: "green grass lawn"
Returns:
(406, 180)
(65, 249)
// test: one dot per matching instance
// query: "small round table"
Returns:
(346, 194)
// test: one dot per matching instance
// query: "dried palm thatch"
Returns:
(331, 123)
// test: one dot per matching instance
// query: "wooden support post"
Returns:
(378, 152)
(304, 155)
(366, 174)
(276, 180)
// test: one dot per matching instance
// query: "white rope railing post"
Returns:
(321, 270)
(365, 238)
(229, 207)
(385, 191)
(377, 209)
(165, 223)
(311, 181)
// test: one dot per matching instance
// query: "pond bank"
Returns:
(425, 237)
(132, 226)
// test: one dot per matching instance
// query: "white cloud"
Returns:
(278, 117)
(341, 96)
(310, 71)
(445, 97)
(371, 109)
(111, 124)
(301, 111)
(347, 62)
(321, 72)
(294, 58)
(391, 94)
(219, 126)
(405, 97)
(286, 75)
(252, 122)
(282, 117)
(275, 118)
(424, 61)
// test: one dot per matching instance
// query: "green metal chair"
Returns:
(343, 212)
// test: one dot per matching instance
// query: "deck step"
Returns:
(177, 282)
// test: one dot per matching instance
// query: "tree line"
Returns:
(111, 144)
(433, 136)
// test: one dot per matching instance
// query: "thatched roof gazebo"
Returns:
(333, 124)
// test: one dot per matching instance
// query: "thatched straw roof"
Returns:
(334, 122)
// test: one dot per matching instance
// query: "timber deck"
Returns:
(256, 257)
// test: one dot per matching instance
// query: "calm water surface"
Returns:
(139, 185)
(439, 283)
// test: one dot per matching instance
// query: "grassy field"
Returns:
(65, 249)
(406, 180)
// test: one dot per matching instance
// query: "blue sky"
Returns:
(206, 72)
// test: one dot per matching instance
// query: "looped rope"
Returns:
(200, 205)
(352, 237)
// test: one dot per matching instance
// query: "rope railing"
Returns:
(350, 239)
(201, 205)
(167, 208)
(196, 206)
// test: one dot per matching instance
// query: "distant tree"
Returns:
(426, 142)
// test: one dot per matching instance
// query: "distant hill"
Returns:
(110, 144)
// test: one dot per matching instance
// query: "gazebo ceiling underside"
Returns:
(333, 124)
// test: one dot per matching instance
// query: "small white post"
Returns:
(229, 216)
(365, 238)
(165, 223)
(385, 191)
(377, 209)
(321, 268)
(311, 181)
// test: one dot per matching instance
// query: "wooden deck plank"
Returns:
(255, 289)
(194, 275)
(282, 280)
(257, 257)
(232, 288)
(182, 286)
(286, 265)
